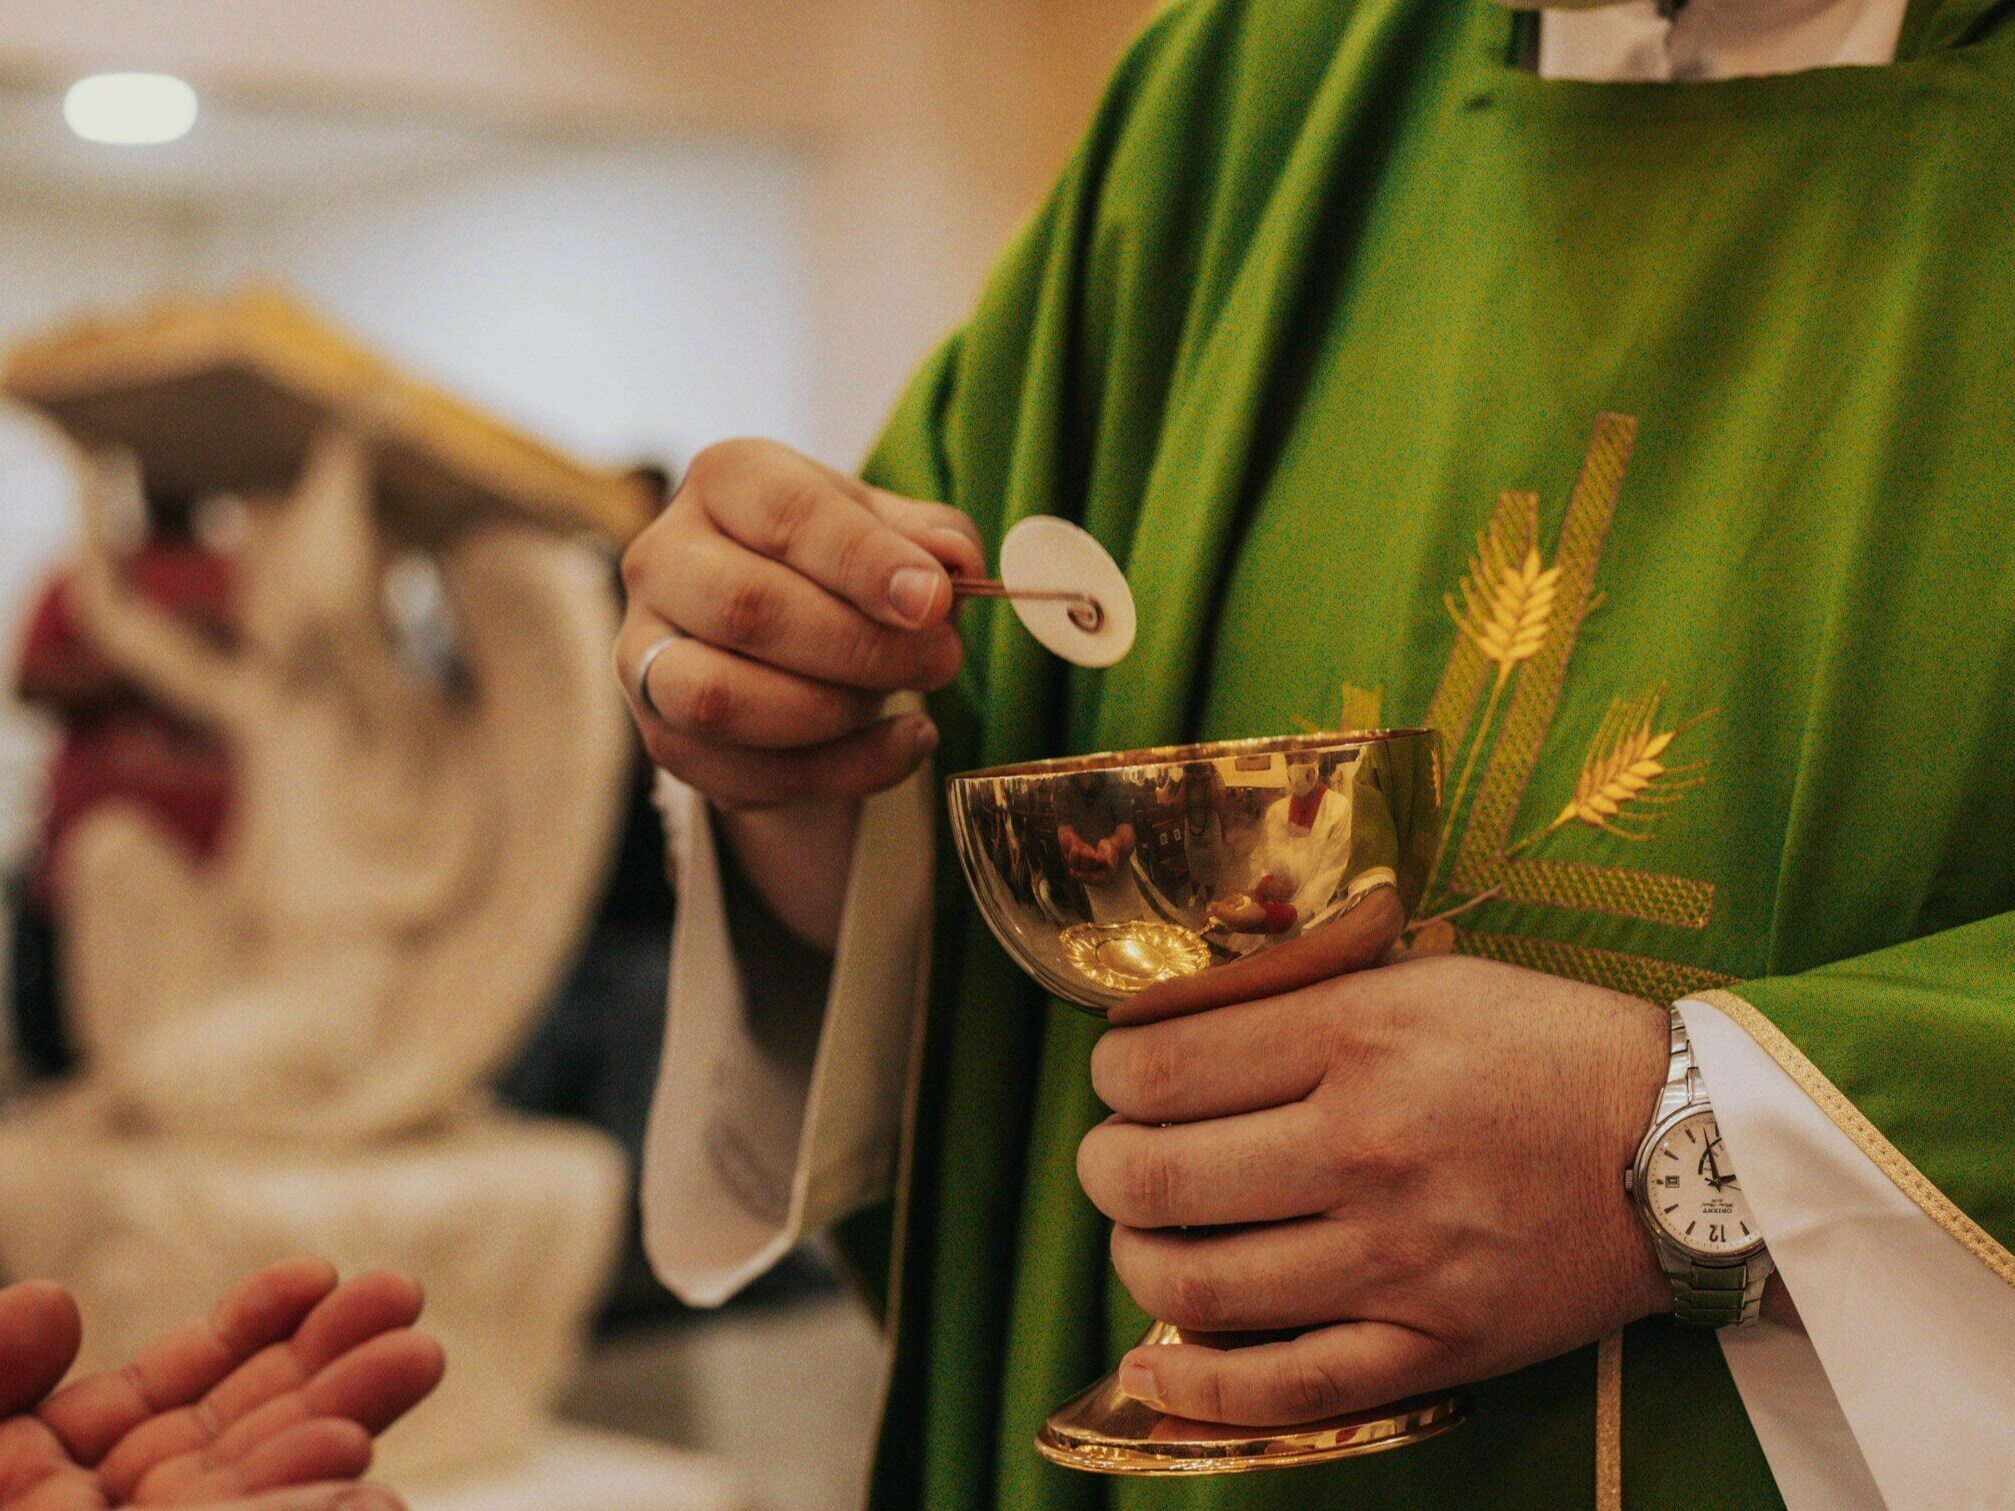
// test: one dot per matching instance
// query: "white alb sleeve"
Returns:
(769, 1121)
(1900, 1392)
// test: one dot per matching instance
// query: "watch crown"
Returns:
(1630, 1181)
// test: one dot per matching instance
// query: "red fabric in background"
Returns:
(116, 744)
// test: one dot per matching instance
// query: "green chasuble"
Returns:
(1360, 347)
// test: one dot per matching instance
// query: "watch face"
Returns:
(1693, 1193)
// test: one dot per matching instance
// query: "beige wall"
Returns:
(933, 126)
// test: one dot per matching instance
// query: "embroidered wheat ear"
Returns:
(1506, 610)
(1624, 779)
(1508, 594)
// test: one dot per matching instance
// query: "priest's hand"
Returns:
(780, 602)
(1415, 1170)
(801, 598)
(268, 1405)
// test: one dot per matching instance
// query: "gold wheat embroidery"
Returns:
(1507, 596)
(1519, 618)
(1624, 778)
(1506, 610)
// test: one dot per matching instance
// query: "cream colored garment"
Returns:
(1716, 39)
(752, 1144)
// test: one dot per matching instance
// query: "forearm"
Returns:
(798, 860)
(151, 648)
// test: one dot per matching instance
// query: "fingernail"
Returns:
(1137, 1380)
(912, 591)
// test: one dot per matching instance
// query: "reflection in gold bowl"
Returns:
(1102, 875)
(1105, 875)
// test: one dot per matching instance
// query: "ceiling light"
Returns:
(130, 109)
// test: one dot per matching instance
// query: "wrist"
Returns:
(1644, 1035)
(799, 858)
(1690, 1201)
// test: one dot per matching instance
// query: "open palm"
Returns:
(269, 1405)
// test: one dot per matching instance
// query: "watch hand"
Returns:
(1713, 1163)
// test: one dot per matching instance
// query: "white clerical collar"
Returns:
(1716, 39)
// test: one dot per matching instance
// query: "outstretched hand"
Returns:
(268, 1405)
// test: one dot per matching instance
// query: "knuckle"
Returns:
(635, 564)
(1134, 1073)
(706, 703)
(853, 557)
(1211, 1399)
(863, 657)
(702, 480)
(640, 559)
(712, 464)
(1313, 1387)
(1148, 1187)
(787, 507)
(752, 613)
(1381, 1155)
(1193, 1297)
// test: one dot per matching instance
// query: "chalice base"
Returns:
(1106, 1431)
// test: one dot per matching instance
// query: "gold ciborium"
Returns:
(1215, 873)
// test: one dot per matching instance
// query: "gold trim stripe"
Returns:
(1615, 890)
(1609, 1423)
(1850, 1120)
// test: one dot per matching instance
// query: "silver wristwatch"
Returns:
(1687, 1194)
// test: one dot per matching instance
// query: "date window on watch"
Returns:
(1670, 1180)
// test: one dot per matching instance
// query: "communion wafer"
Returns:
(1045, 554)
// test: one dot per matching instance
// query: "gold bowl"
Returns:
(1103, 875)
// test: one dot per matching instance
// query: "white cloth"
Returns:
(755, 1139)
(1914, 1336)
(1902, 1390)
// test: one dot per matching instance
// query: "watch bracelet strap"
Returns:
(1719, 1297)
(1709, 1296)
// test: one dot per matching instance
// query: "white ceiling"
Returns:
(241, 154)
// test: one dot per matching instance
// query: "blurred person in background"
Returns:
(115, 745)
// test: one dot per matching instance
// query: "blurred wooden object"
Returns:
(286, 1049)
(226, 395)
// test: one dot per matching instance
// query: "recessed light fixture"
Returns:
(130, 109)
